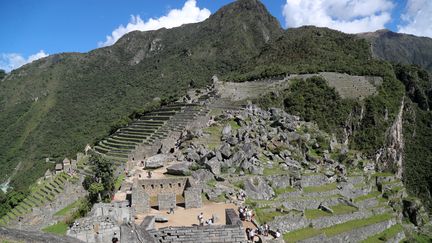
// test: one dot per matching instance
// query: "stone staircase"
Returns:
(41, 194)
(149, 128)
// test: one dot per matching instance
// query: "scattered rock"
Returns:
(179, 169)
(157, 161)
(258, 189)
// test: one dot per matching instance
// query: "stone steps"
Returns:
(113, 140)
(117, 146)
(131, 140)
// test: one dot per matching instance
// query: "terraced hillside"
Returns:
(296, 179)
(41, 194)
(147, 129)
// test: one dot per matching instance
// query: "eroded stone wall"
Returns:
(193, 198)
(166, 201)
(153, 187)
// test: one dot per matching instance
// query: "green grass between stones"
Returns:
(385, 235)
(263, 215)
(367, 196)
(118, 182)
(66, 210)
(310, 232)
(59, 228)
(322, 188)
(337, 210)
(279, 191)
(350, 225)
(301, 234)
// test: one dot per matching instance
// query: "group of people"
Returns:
(201, 220)
(246, 213)
(253, 234)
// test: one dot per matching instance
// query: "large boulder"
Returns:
(225, 150)
(179, 169)
(214, 165)
(258, 189)
(192, 156)
(202, 176)
(226, 131)
(157, 161)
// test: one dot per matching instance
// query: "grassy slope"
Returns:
(81, 96)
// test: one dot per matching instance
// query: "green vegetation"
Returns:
(386, 235)
(301, 234)
(322, 188)
(337, 210)
(118, 182)
(68, 209)
(309, 232)
(350, 225)
(279, 191)
(100, 186)
(59, 228)
(264, 215)
(367, 196)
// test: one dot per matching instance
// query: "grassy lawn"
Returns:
(275, 170)
(301, 234)
(215, 133)
(385, 235)
(66, 210)
(59, 228)
(383, 174)
(279, 191)
(264, 215)
(322, 188)
(337, 210)
(119, 181)
(309, 232)
(350, 225)
(367, 196)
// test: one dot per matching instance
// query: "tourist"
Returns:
(201, 219)
(149, 174)
(249, 214)
(241, 212)
(266, 229)
(115, 239)
(171, 210)
(209, 222)
(251, 235)
(278, 233)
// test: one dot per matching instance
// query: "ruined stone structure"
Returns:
(153, 187)
(140, 200)
(102, 222)
(232, 231)
(193, 198)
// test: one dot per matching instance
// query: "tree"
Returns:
(101, 185)
(2, 74)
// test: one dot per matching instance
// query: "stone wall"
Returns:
(354, 235)
(193, 198)
(95, 229)
(153, 187)
(166, 201)
(140, 200)
(119, 211)
(14, 235)
(231, 232)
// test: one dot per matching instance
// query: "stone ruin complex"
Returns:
(285, 166)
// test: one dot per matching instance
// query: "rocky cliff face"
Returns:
(390, 157)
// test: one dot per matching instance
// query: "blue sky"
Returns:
(34, 29)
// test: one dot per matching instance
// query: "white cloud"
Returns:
(417, 18)
(11, 61)
(350, 16)
(190, 13)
